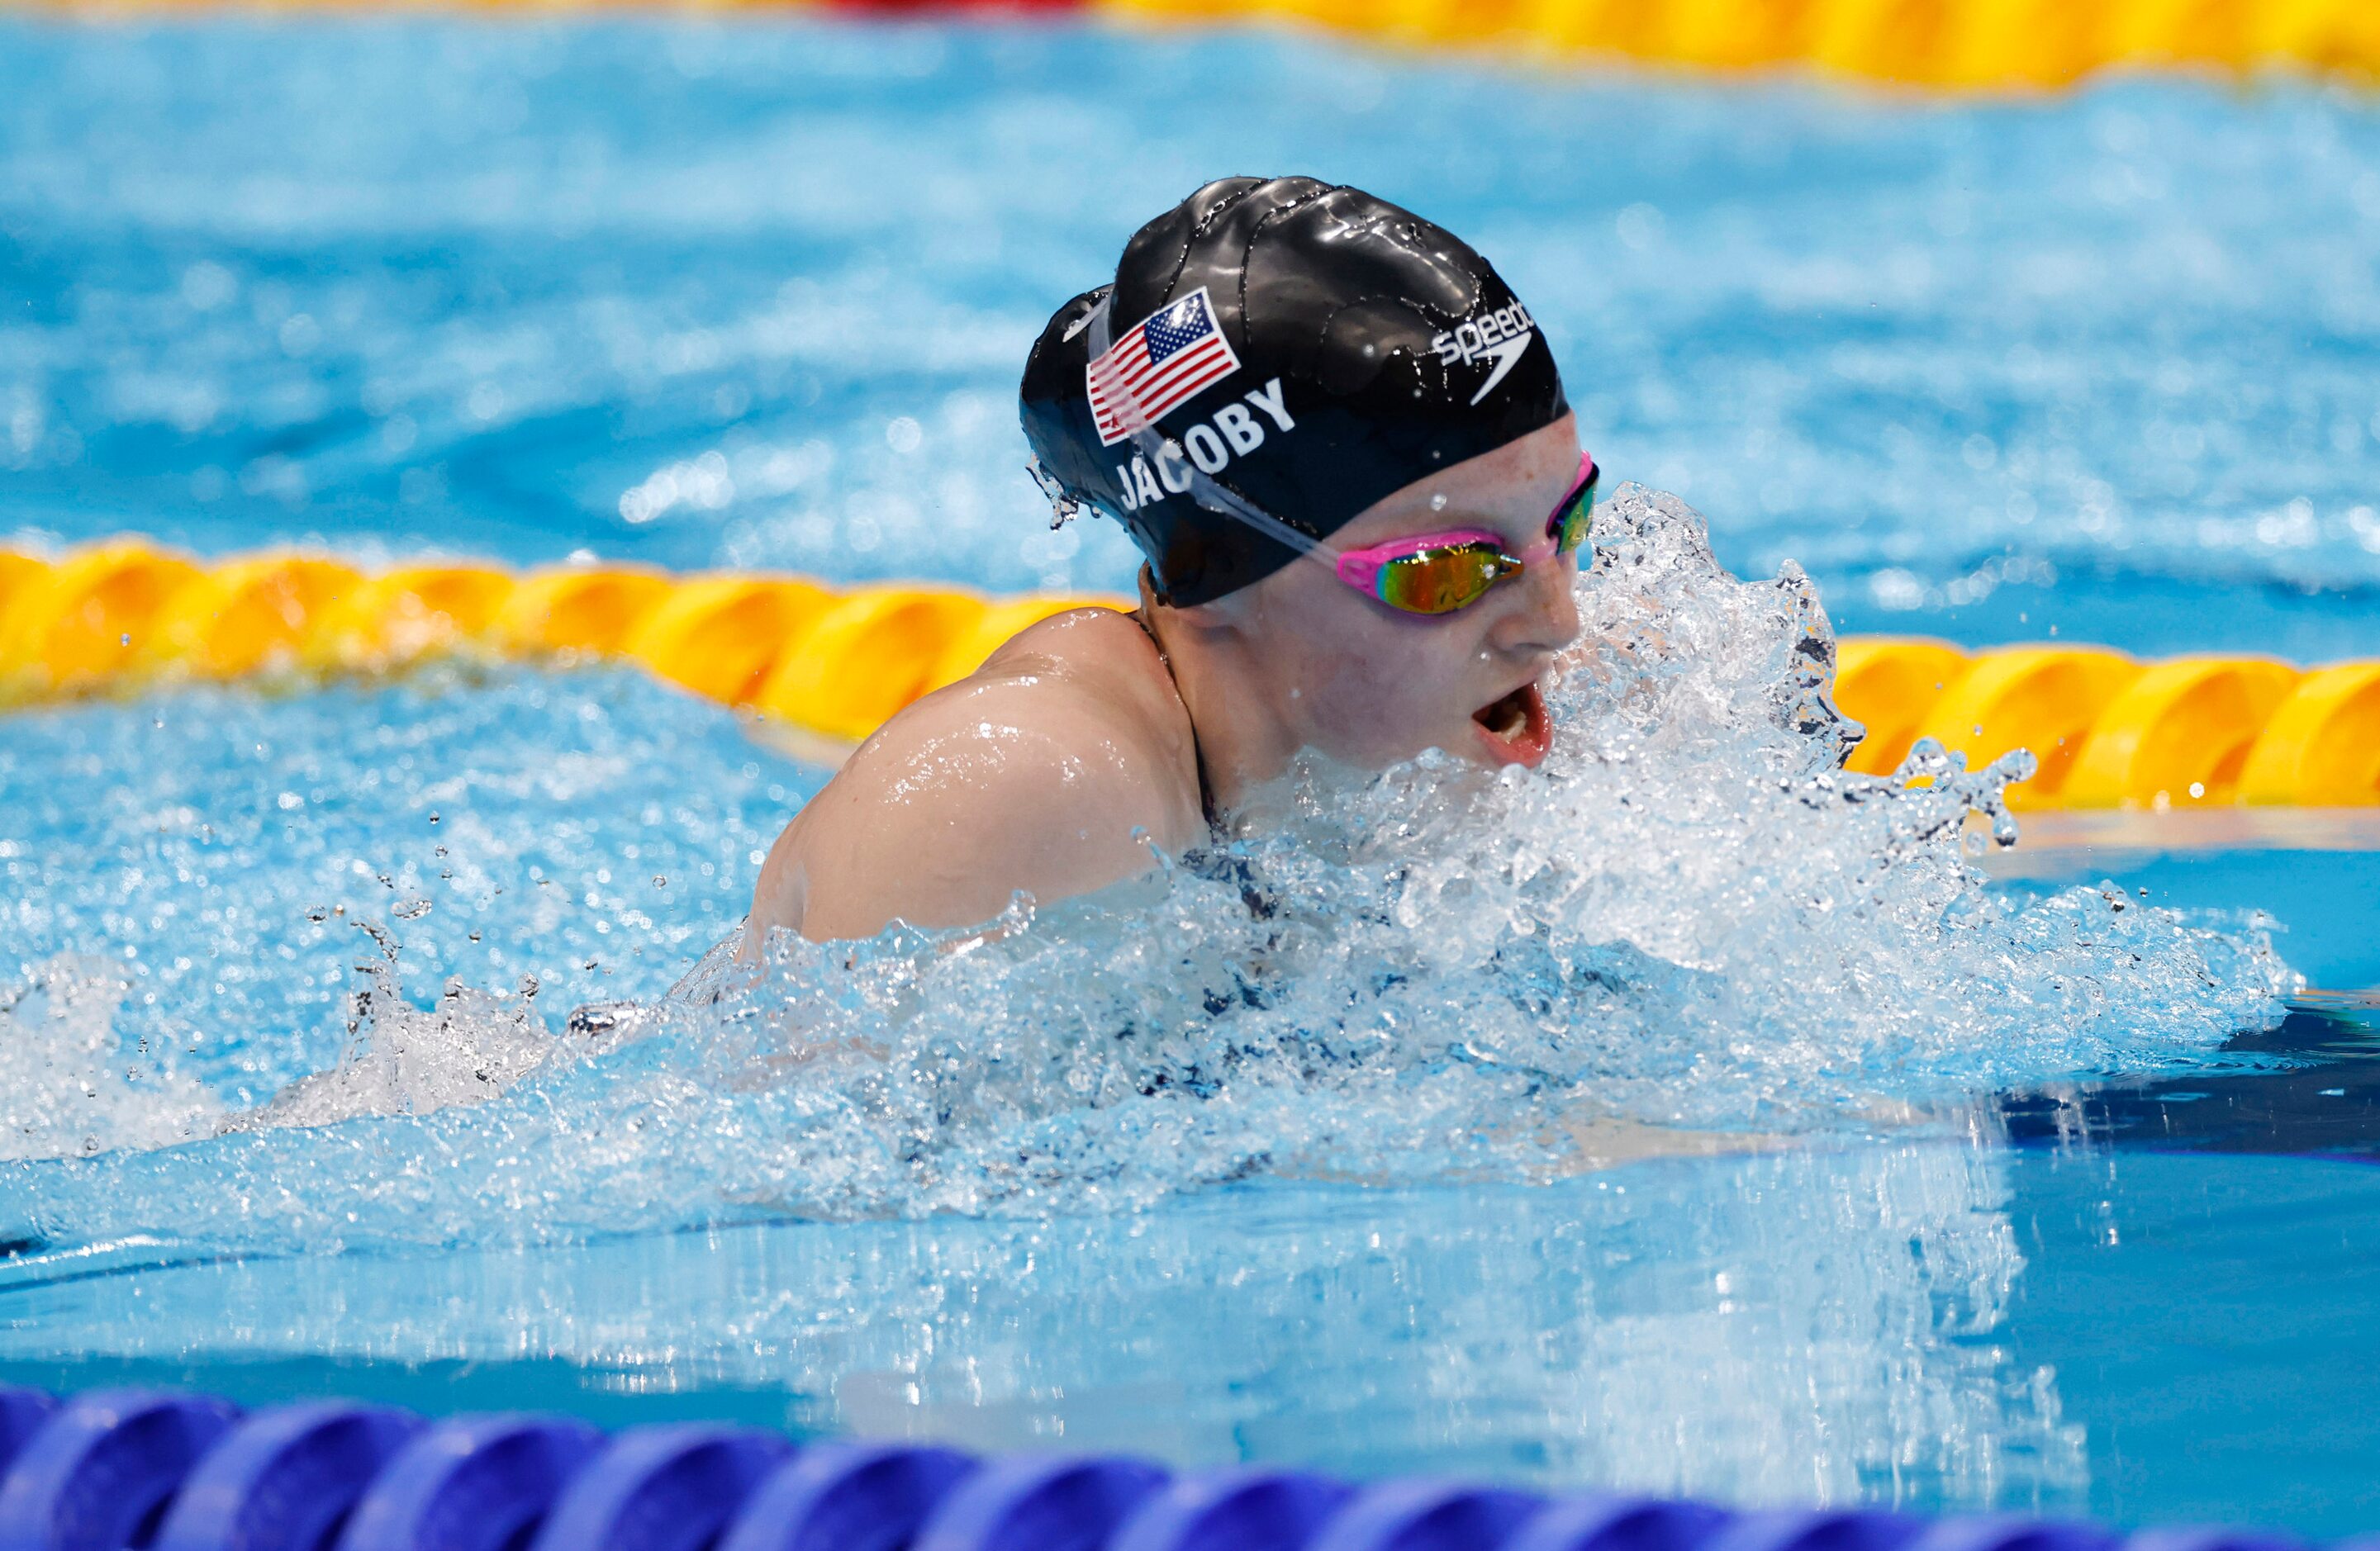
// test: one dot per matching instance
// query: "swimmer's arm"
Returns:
(966, 798)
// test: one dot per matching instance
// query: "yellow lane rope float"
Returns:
(1930, 44)
(820, 668)
(1941, 45)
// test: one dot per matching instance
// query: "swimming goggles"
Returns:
(1435, 574)
(1439, 572)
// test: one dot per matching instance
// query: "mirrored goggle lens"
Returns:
(1577, 514)
(1437, 581)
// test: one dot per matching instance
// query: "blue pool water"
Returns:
(2049, 1209)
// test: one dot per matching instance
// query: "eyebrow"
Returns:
(1455, 518)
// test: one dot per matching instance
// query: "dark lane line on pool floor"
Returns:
(2309, 1087)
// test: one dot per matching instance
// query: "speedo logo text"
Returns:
(1501, 335)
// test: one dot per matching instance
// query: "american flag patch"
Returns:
(1161, 360)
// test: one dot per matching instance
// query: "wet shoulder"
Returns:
(1051, 770)
(1096, 656)
(1087, 686)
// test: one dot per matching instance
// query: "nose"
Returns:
(1543, 615)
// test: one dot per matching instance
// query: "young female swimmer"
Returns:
(1342, 443)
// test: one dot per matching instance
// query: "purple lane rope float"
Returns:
(118, 1469)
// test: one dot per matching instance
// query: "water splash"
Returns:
(69, 1085)
(1691, 929)
(466, 1048)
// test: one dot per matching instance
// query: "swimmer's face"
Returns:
(1371, 686)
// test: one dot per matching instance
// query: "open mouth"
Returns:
(1516, 728)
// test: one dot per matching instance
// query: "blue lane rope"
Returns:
(474, 1484)
(127, 1470)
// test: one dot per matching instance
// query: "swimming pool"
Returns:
(755, 294)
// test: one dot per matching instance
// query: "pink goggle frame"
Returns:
(1437, 572)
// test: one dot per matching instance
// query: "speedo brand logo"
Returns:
(1209, 446)
(1501, 335)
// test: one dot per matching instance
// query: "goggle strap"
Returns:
(1203, 489)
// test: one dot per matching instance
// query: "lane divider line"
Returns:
(1959, 46)
(104, 1468)
(817, 668)
(1937, 45)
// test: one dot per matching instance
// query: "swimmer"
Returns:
(1340, 441)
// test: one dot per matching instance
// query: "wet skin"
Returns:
(1057, 764)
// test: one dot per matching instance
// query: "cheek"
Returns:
(1387, 692)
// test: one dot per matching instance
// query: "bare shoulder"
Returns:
(1052, 768)
(1099, 655)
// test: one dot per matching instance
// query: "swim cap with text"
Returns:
(1309, 349)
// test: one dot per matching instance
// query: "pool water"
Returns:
(2062, 1213)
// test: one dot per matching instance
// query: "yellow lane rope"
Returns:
(821, 667)
(1930, 44)
(1943, 44)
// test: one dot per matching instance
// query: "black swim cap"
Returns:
(1282, 344)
